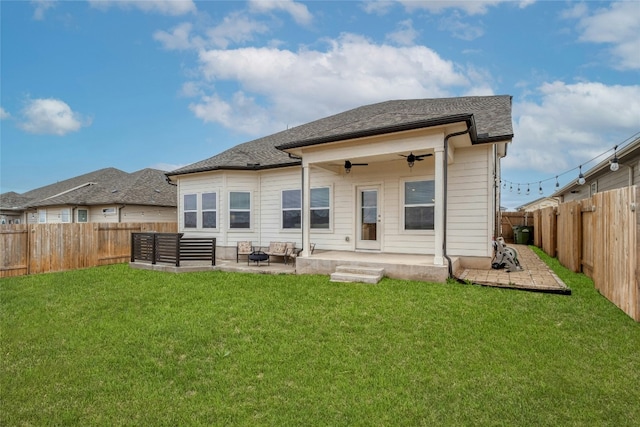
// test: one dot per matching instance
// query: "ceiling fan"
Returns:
(348, 165)
(412, 158)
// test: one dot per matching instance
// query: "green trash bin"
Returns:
(516, 232)
(522, 238)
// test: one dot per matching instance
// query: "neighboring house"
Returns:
(602, 178)
(403, 177)
(541, 203)
(106, 195)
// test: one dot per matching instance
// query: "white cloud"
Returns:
(571, 124)
(351, 72)
(405, 35)
(4, 114)
(164, 7)
(236, 28)
(167, 167)
(51, 116)
(298, 11)
(179, 38)
(41, 6)
(475, 7)
(455, 24)
(618, 26)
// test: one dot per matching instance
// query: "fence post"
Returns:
(153, 248)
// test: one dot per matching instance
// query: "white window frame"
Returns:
(329, 208)
(214, 210)
(283, 209)
(86, 219)
(65, 215)
(109, 211)
(231, 210)
(185, 210)
(42, 216)
(404, 205)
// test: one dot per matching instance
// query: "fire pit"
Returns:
(257, 257)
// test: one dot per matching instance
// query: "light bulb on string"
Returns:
(581, 179)
(557, 183)
(614, 162)
(518, 188)
(540, 187)
(528, 189)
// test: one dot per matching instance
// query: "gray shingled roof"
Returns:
(105, 186)
(492, 116)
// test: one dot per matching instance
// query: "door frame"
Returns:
(368, 245)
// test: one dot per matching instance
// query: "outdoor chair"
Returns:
(243, 248)
(293, 253)
(278, 249)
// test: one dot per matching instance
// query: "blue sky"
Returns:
(135, 84)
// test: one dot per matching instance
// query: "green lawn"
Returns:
(117, 346)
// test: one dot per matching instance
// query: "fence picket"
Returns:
(42, 248)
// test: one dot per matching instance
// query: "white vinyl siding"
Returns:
(469, 220)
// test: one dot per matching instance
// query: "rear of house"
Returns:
(399, 177)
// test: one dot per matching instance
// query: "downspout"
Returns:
(444, 196)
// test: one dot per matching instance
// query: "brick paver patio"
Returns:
(535, 276)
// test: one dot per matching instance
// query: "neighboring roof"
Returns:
(629, 151)
(105, 186)
(12, 201)
(491, 114)
(549, 199)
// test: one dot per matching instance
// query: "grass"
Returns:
(117, 346)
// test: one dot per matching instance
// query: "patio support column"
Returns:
(306, 210)
(438, 210)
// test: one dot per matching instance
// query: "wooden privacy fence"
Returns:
(42, 248)
(510, 219)
(599, 236)
(171, 248)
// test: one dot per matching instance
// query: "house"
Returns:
(541, 203)
(415, 177)
(605, 176)
(106, 195)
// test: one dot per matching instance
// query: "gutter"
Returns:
(470, 128)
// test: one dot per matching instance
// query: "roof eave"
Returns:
(468, 118)
(256, 167)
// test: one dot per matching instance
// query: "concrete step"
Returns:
(351, 273)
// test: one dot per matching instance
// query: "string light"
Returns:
(528, 189)
(581, 179)
(614, 165)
